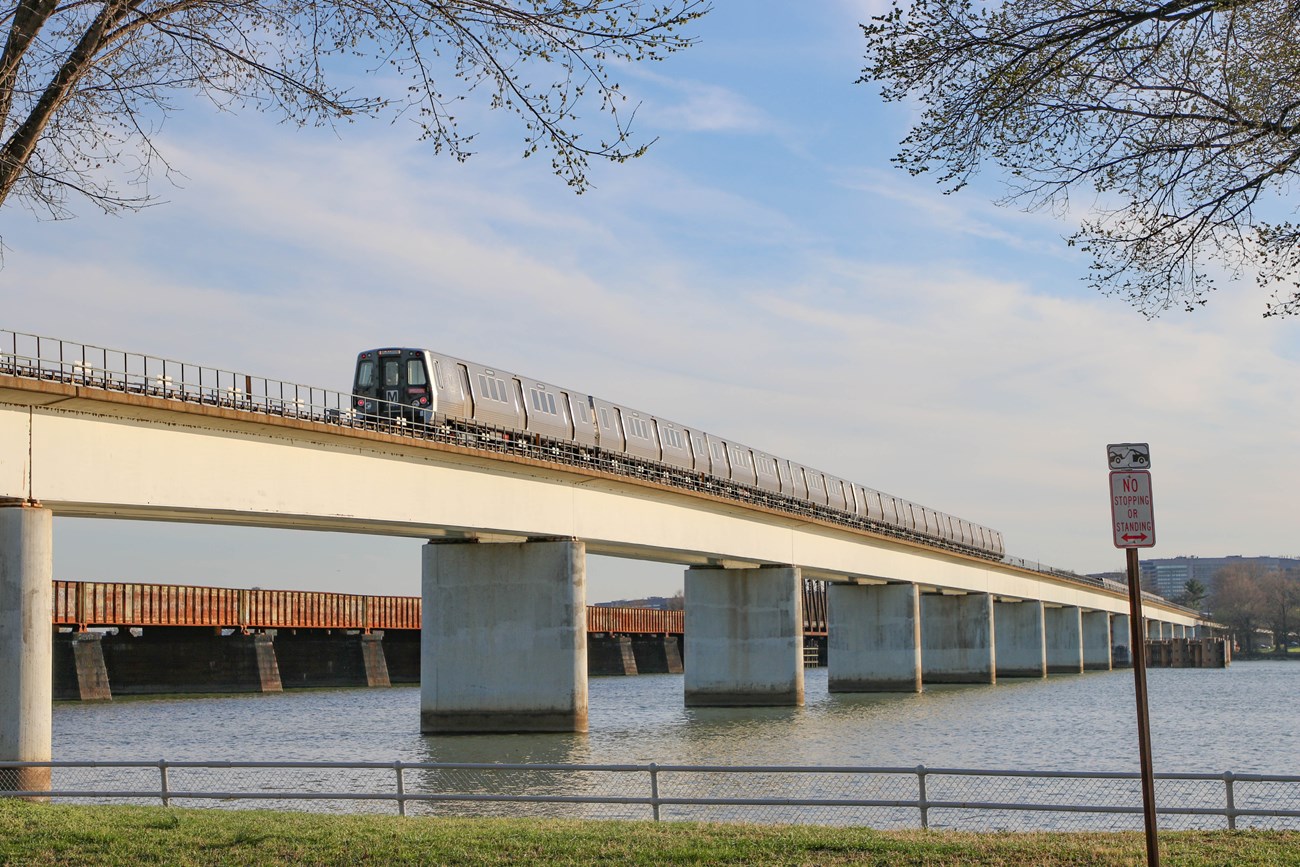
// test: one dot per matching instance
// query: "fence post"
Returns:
(921, 801)
(162, 773)
(401, 788)
(654, 789)
(1230, 800)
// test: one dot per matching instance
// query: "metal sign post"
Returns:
(1133, 526)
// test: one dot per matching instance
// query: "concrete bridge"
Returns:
(92, 433)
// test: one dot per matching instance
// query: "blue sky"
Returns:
(763, 272)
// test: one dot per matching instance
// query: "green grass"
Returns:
(39, 834)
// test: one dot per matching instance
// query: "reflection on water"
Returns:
(1241, 719)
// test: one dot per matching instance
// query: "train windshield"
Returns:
(366, 374)
(415, 372)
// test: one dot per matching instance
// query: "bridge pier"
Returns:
(1064, 638)
(657, 654)
(610, 654)
(1121, 651)
(402, 655)
(957, 644)
(744, 641)
(1018, 639)
(874, 637)
(79, 670)
(26, 643)
(503, 646)
(1096, 641)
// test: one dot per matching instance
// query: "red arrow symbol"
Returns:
(1141, 538)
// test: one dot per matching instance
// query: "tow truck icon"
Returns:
(1128, 456)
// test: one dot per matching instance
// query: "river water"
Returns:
(1242, 719)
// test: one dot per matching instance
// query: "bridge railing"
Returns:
(81, 364)
(85, 365)
(881, 797)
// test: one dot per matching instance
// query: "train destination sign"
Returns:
(1132, 515)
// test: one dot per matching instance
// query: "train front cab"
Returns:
(392, 385)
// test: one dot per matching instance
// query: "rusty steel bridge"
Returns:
(86, 604)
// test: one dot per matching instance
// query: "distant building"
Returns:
(1168, 576)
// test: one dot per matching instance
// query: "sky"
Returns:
(762, 273)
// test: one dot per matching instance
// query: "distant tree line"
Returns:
(676, 602)
(1248, 597)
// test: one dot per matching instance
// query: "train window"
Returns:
(392, 372)
(493, 388)
(718, 453)
(767, 466)
(699, 447)
(604, 418)
(438, 376)
(543, 401)
(674, 438)
(739, 458)
(415, 372)
(366, 374)
(637, 427)
(583, 415)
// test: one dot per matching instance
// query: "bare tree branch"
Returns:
(84, 85)
(1181, 118)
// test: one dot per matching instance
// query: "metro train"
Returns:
(402, 385)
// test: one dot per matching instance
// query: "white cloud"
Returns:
(710, 108)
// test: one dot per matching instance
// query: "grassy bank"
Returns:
(35, 834)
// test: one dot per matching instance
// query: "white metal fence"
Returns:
(881, 797)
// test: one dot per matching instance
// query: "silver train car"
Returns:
(413, 384)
